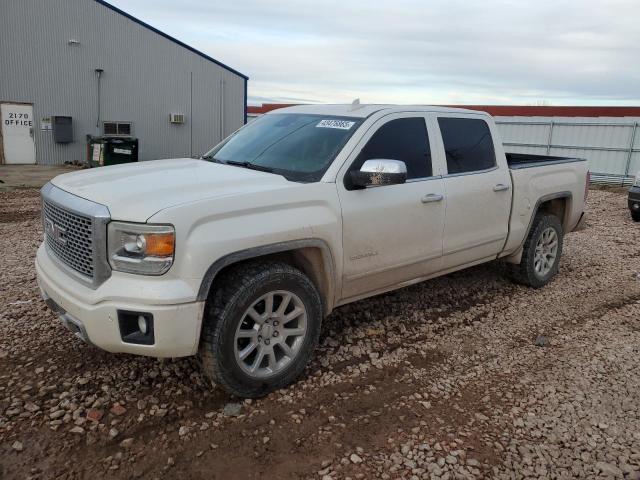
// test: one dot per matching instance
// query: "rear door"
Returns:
(477, 187)
(392, 233)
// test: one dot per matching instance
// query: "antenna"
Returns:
(355, 105)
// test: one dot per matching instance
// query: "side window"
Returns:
(403, 139)
(467, 143)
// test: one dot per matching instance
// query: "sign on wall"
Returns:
(45, 123)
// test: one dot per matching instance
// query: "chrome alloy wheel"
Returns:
(546, 252)
(270, 334)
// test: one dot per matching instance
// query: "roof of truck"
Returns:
(364, 110)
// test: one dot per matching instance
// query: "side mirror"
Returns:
(379, 171)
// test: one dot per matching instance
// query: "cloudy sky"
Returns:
(526, 52)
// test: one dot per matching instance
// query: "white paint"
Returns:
(377, 239)
(17, 133)
(96, 155)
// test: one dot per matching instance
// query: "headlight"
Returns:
(141, 248)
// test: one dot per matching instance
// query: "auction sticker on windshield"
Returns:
(341, 124)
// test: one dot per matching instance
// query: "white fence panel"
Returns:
(611, 145)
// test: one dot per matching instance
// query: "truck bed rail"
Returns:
(526, 160)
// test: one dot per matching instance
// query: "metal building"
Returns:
(72, 68)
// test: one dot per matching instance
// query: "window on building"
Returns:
(467, 144)
(403, 139)
(116, 128)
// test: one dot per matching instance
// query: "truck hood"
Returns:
(136, 191)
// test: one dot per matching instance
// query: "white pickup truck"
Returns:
(238, 256)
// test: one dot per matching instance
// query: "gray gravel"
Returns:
(466, 376)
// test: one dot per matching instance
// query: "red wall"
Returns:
(511, 110)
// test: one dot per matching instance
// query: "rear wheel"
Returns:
(541, 252)
(261, 328)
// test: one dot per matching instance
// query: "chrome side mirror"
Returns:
(379, 171)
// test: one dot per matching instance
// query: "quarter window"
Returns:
(467, 144)
(403, 139)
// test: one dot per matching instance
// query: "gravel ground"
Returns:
(466, 376)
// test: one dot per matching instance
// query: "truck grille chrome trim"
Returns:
(75, 232)
(70, 237)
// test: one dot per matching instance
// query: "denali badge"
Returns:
(56, 232)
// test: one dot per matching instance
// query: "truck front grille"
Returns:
(70, 237)
(75, 235)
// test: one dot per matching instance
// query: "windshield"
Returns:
(298, 146)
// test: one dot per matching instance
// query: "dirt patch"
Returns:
(441, 378)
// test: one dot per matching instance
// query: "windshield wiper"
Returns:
(252, 166)
(210, 158)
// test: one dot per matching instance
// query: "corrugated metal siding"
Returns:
(604, 141)
(146, 77)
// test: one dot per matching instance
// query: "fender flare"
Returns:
(261, 251)
(517, 253)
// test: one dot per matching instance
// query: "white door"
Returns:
(478, 191)
(392, 233)
(17, 133)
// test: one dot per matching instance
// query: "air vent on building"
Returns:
(176, 118)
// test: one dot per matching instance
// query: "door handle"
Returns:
(432, 197)
(500, 187)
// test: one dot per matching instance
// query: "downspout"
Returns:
(221, 108)
(98, 76)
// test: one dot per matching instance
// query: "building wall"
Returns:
(146, 77)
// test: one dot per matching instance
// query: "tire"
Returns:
(635, 216)
(237, 318)
(527, 272)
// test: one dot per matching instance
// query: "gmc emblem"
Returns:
(56, 232)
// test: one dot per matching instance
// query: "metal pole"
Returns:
(630, 152)
(550, 135)
(221, 109)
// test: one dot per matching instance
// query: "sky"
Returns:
(520, 52)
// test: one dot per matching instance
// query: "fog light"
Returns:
(136, 327)
(142, 324)
(636, 206)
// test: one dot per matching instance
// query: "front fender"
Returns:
(212, 234)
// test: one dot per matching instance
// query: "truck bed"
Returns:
(526, 160)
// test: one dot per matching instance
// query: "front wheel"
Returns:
(541, 252)
(261, 328)
(635, 216)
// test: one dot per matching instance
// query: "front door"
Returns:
(392, 233)
(17, 133)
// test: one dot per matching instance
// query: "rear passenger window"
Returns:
(468, 144)
(403, 139)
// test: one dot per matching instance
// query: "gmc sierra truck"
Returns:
(238, 256)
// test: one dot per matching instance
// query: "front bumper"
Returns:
(92, 315)
(634, 199)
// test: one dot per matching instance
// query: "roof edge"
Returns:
(169, 37)
(508, 110)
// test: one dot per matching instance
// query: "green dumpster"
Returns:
(103, 151)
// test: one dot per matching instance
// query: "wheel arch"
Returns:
(312, 256)
(558, 204)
